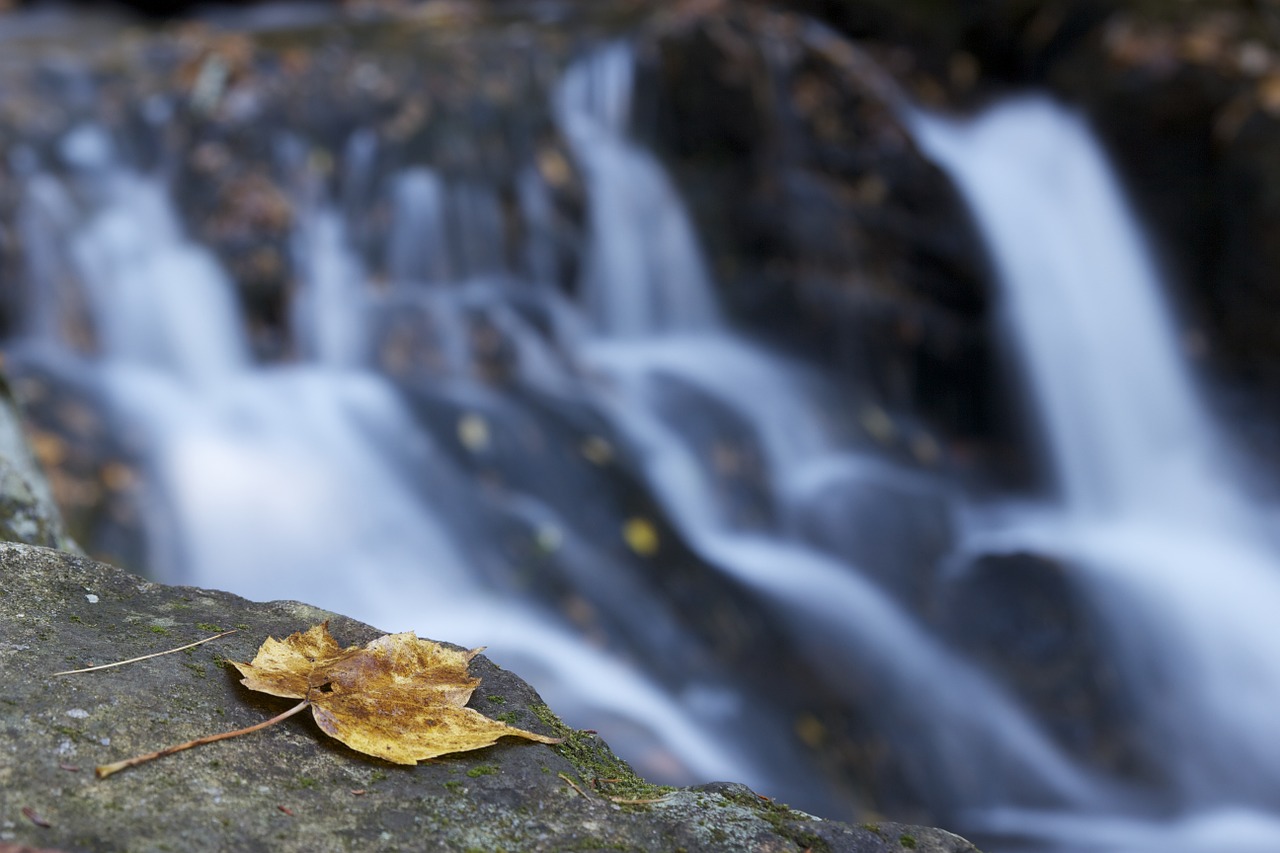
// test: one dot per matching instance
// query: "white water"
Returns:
(1148, 515)
(644, 269)
(329, 315)
(1083, 303)
(652, 298)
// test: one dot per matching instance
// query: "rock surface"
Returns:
(288, 787)
(27, 510)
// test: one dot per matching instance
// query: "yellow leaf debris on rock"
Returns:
(399, 697)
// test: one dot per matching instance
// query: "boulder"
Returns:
(288, 787)
(87, 476)
(27, 510)
(1027, 620)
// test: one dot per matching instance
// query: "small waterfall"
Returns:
(329, 315)
(1084, 304)
(155, 299)
(418, 249)
(644, 270)
(1149, 514)
(419, 501)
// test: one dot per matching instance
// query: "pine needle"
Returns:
(145, 657)
(574, 786)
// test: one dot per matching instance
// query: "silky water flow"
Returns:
(320, 480)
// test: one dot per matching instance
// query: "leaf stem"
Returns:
(104, 770)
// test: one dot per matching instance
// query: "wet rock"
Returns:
(1188, 101)
(828, 231)
(288, 787)
(27, 510)
(1020, 615)
(892, 524)
(85, 456)
(726, 446)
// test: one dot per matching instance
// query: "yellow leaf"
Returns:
(641, 536)
(399, 698)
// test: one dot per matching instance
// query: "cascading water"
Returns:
(644, 270)
(292, 481)
(1149, 515)
(851, 630)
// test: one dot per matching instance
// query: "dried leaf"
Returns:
(399, 698)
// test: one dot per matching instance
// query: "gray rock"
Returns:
(27, 511)
(289, 787)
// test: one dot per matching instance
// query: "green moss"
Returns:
(159, 629)
(907, 841)
(305, 782)
(197, 669)
(453, 785)
(74, 618)
(207, 626)
(482, 770)
(508, 717)
(378, 776)
(596, 764)
(786, 822)
(496, 699)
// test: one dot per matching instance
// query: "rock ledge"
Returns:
(288, 787)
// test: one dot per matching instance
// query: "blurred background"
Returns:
(875, 403)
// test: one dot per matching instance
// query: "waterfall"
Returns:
(1083, 302)
(662, 346)
(156, 299)
(644, 269)
(1148, 514)
(451, 440)
(594, 485)
(323, 480)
